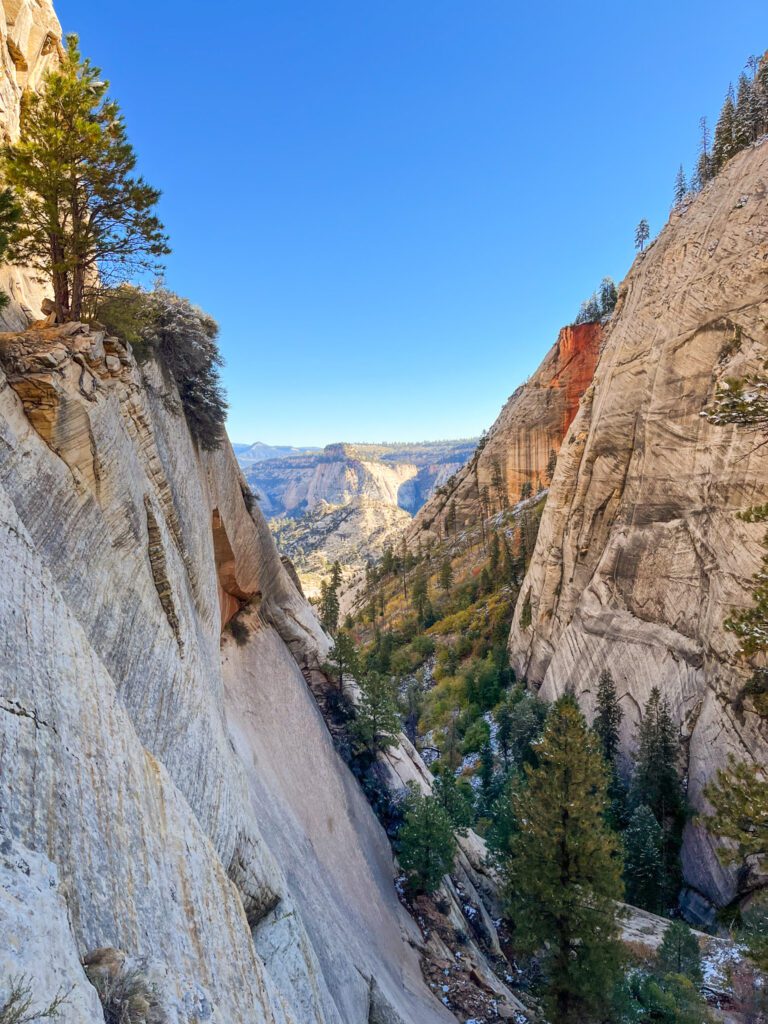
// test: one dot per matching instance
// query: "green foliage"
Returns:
(342, 658)
(182, 338)
(16, 1004)
(642, 234)
(526, 616)
(679, 953)
(754, 930)
(607, 723)
(598, 307)
(476, 736)
(329, 600)
(456, 797)
(672, 999)
(739, 797)
(426, 843)
(644, 872)
(446, 574)
(520, 719)
(10, 216)
(503, 824)
(562, 878)
(85, 216)
(656, 782)
(377, 722)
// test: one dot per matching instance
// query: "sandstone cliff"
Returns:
(640, 556)
(520, 444)
(185, 788)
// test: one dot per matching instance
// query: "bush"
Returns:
(127, 998)
(16, 1007)
(183, 339)
(239, 631)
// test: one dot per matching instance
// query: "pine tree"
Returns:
(642, 234)
(679, 953)
(563, 875)
(656, 781)
(644, 861)
(745, 114)
(377, 723)
(420, 596)
(85, 215)
(704, 163)
(681, 186)
(446, 574)
(739, 797)
(551, 463)
(608, 717)
(495, 556)
(488, 787)
(724, 147)
(342, 657)
(456, 798)
(608, 298)
(426, 843)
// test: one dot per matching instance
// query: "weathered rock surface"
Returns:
(640, 556)
(520, 444)
(183, 816)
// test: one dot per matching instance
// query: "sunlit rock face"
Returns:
(523, 441)
(641, 555)
(180, 803)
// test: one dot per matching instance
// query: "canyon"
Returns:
(347, 502)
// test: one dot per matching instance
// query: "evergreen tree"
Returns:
(608, 299)
(446, 574)
(488, 787)
(681, 186)
(420, 597)
(672, 999)
(456, 798)
(329, 605)
(342, 658)
(608, 717)
(724, 147)
(739, 797)
(606, 725)
(503, 825)
(552, 462)
(704, 163)
(745, 115)
(495, 556)
(656, 782)
(563, 875)
(644, 861)
(411, 708)
(426, 843)
(642, 234)
(679, 953)
(377, 723)
(85, 215)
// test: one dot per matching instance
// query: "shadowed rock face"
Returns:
(641, 556)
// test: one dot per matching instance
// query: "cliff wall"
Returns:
(640, 555)
(522, 441)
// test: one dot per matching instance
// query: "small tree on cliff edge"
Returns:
(84, 213)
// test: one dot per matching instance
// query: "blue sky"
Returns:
(391, 207)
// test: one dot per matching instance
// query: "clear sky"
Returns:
(391, 207)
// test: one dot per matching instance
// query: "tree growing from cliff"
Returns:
(681, 186)
(724, 147)
(739, 797)
(377, 722)
(329, 600)
(342, 657)
(456, 798)
(642, 234)
(10, 216)
(446, 574)
(85, 215)
(426, 842)
(563, 875)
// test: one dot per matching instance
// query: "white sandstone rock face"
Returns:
(164, 798)
(641, 556)
(35, 930)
